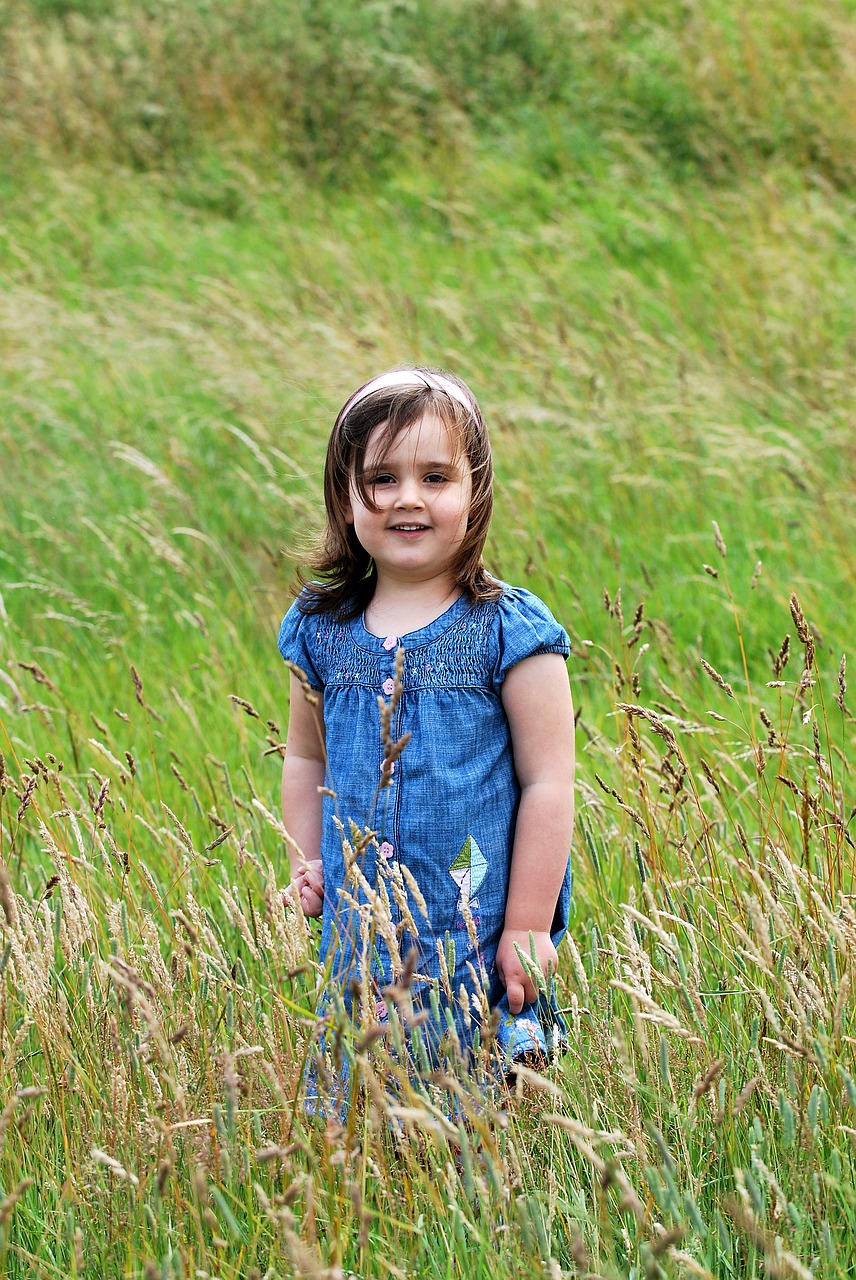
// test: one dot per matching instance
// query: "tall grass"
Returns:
(158, 1000)
(629, 230)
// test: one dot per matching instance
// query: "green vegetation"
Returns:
(631, 229)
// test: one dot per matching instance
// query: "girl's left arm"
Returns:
(536, 696)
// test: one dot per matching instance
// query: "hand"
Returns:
(307, 887)
(519, 985)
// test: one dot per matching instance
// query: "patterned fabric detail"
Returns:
(463, 655)
(518, 1036)
(475, 650)
(468, 872)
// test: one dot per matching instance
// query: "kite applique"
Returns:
(468, 872)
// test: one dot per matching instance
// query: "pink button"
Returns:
(386, 851)
(387, 766)
(390, 642)
(389, 687)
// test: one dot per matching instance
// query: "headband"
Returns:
(409, 378)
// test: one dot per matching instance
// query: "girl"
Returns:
(466, 788)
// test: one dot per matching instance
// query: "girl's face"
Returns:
(421, 485)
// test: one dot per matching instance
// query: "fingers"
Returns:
(520, 984)
(307, 888)
(311, 873)
(519, 987)
(311, 902)
(521, 990)
(517, 995)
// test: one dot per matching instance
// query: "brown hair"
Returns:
(347, 571)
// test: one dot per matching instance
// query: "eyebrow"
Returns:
(376, 468)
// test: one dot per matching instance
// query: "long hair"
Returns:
(395, 401)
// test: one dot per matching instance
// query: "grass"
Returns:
(636, 245)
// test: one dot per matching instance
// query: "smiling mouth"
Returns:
(408, 528)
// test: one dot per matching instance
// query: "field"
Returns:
(631, 229)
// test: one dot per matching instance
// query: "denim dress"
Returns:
(445, 818)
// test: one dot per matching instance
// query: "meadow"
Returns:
(631, 229)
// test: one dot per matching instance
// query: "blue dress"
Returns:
(447, 818)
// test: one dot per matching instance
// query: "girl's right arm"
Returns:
(303, 772)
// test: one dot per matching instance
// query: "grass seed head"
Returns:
(138, 686)
(719, 540)
(803, 630)
(780, 661)
(717, 678)
(8, 1205)
(39, 675)
(119, 1170)
(28, 784)
(7, 897)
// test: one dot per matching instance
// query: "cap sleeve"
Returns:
(296, 642)
(526, 628)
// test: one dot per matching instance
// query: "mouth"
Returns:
(408, 528)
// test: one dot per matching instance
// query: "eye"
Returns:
(436, 477)
(382, 478)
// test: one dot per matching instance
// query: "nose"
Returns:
(409, 493)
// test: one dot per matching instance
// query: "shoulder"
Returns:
(297, 620)
(518, 602)
(525, 627)
(311, 608)
(306, 638)
(519, 609)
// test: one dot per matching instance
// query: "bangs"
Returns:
(403, 413)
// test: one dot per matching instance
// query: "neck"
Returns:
(398, 607)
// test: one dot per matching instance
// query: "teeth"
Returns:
(408, 528)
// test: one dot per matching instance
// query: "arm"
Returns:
(536, 696)
(303, 771)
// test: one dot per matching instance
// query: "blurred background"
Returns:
(629, 227)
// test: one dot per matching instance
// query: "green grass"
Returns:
(631, 232)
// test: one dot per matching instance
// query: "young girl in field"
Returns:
(475, 807)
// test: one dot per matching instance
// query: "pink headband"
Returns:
(409, 378)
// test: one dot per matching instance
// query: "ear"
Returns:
(348, 513)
